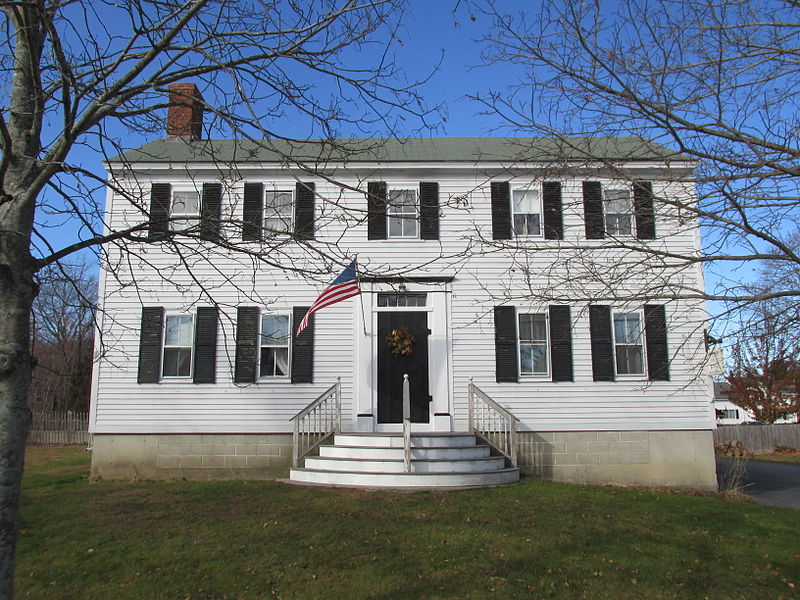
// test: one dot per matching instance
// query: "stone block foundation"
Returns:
(201, 456)
(646, 458)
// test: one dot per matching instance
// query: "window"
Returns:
(278, 212)
(178, 340)
(533, 344)
(618, 212)
(402, 213)
(184, 204)
(274, 346)
(401, 300)
(628, 343)
(527, 212)
(728, 413)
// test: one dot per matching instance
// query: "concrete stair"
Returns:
(438, 460)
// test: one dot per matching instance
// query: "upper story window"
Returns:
(278, 212)
(178, 343)
(618, 210)
(628, 343)
(527, 212)
(274, 355)
(184, 209)
(533, 344)
(402, 212)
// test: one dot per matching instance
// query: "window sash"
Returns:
(278, 211)
(184, 203)
(526, 208)
(534, 344)
(402, 300)
(178, 344)
(274, 345)
(402, 214)
(618, 208)
(628, 343)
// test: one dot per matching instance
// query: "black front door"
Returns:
(391, 368)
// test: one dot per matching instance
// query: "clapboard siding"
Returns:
(122, 405)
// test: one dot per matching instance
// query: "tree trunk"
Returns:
(17, 291)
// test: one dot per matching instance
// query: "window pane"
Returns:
(402, 201)
(617, 201)
(278, 211)
(401, 299)
(539, 356)
(395, 226)
(178, 330)
(626, 328)
(533, 327)
(177, 362)
(525, 359)
(629, 360)
(410, 227)
(184, 203)
(618, 224)
(275, 330)
(526, 201)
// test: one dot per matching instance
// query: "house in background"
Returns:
(201, 373)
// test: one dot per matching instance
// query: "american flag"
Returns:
(343, 287)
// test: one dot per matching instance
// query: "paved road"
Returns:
(776, 484)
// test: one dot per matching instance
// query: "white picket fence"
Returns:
(760, 438)
(59, 427)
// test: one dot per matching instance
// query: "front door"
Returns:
(391, 368)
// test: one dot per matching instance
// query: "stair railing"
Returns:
(406, 424)
(317, 421)
(493, 423)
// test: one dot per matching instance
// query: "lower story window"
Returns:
(533, 344)
(178, 334)
(274, 346)
(628, 343)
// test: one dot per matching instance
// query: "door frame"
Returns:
(365, 401)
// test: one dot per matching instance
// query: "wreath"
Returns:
(401, 342)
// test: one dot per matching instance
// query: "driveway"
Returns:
(776, 484)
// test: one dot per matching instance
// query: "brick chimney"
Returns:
(185, 114)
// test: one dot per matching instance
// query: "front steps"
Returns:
(438, 460)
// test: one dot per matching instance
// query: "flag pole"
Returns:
(361, 298)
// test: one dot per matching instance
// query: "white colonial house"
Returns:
(457, 241)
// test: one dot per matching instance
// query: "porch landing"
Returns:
(438, 460)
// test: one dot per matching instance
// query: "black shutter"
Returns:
(159, 211)
(210, 211)
(246, 344)
(505, 344)
(561, 343)
(643, 210)
(602, 342)
(205, 345)
(252, 212)
(302, 347)
(150, 344)
(376, 210)
(593, 210)
(304, 210)
(655, 335)
(429, 210)
(553, 212)
(501, 211)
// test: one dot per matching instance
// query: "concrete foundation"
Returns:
(646, 458)
(682, 459)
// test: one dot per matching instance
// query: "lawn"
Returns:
(243, 540)
(782, 457)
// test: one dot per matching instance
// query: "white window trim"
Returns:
(284, 189)
(402, 188)
(288, 375)
(635, 376)
(534, 376)
(164, 347)
(540, 188)
(618, 188)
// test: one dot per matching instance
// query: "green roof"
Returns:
(453, 149)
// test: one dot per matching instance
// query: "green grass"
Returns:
(243, 540)
(778, 457)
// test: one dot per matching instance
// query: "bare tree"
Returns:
(63, 332)
(713, 81)
(93, 76)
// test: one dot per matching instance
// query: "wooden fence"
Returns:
(59, 427)
(760, 438)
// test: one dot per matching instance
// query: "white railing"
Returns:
(492, 422)
(406, 424)
(316, 422)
